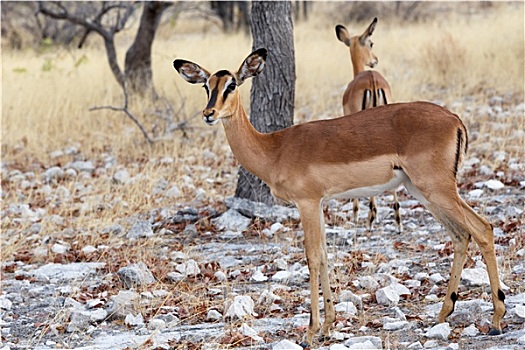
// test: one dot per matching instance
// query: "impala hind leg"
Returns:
(316, 256)
(397, 215)
(372, 212)
(462, 222)
(356, 210)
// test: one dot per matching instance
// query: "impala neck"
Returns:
(358, 65)
(252, 149)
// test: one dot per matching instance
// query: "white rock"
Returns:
(286, 345)
(347, 295)
(220, 276)
(519, 310)
(281, 276)
(251, 333)
(346, 307)
(136, 275)
(281, 264)
(439, 331)
(416, 345)
(66, 272)
(431, 344)
(59, 248)
(157, 323)
(376, 342)
(475, 193)
(89, 249)
(82, 166)
(475, 277)
(436, 277)
(368, 282)
(453, 346)
(213, 315)
(188, 268)
(241, 307)
(338, 347)
(132, 320)
(53, 174)
(420, 276)
(140, 229)
(5, 304)
(267, 297)
(173, 192)
(367, 345)
(470, 331)
(232, 220)
(387, 296)
(400, 289)
(394, 326)
(121, 177)
(258, 276)
(494, 184)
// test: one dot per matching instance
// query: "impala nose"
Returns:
(207, 115)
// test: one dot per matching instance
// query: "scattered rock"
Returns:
(122, 304)
(241, 307)
(346, 307)
(475, 277)
(286, 345)
(121, 177)
(134, 321)
(136, 275)
(213, 315)
(62, 272)
(261, 210)
(395, 326)
(470, 331)
(188, 268)
(251, 333)
(440, 331)
(494, 184)
(232, 220)
(376, 342)
(140, 229)
(387, 296)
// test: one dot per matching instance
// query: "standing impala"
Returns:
(419, 144)
(368, 89)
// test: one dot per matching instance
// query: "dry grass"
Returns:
(46, 98)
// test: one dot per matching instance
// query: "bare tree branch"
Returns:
(128, 113)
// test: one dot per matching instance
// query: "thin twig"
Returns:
(128, 113)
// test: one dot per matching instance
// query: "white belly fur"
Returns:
(370, 191)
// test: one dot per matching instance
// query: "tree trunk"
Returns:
(273, 92)
(139, 77)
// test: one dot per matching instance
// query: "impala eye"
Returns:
(231, 87)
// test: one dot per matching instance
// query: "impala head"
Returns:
(360, 45)
(221, 87)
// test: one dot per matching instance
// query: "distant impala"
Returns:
(419, 144)
(368, 89)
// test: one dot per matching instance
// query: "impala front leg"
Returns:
(311, 219)
(325, 285)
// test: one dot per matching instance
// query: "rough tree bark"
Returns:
(137, 65)
(273, 92)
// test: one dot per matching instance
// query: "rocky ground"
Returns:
(232, 274)
(254, 290)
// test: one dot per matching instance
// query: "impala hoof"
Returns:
(494, 331)
(324, 338)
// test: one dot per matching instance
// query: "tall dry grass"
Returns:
(47, 96)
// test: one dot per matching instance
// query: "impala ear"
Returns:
(342, 34)
(252, 65)
(369, 31)
(191, 72)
